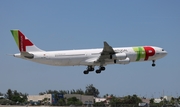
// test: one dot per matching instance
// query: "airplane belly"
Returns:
(75, 61)
(52, 61)
(60, 62)
(43, 61)
(57, 61)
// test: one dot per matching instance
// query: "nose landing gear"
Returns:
(153, 64)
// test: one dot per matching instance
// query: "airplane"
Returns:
(86, 57)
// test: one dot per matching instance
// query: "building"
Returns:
(85, 99)
(46, 98)
(167, 98)
(51, 99)
(145, 100)
(100, 100)
(2, 97)
(157, 100)
(143, 105)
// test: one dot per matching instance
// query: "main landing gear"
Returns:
(91, 68)
(100, 69)
(153, 63)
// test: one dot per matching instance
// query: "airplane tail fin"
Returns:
(23, 43)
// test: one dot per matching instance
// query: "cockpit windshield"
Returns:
(162, 49)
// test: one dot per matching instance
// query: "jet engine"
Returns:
(124, 61)
(120, 56)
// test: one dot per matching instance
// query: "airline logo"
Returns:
(21, 40)
(144, 52)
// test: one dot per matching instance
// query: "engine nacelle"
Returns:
(120, 56)
(124, 61)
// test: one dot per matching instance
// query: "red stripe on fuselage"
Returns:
(149, 52)
(23, 42)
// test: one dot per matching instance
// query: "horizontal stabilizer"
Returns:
(27, 55)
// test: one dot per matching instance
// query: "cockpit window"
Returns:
(162, 49)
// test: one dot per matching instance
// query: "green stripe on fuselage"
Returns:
(15, 35)
(143, 53)
(140, 52)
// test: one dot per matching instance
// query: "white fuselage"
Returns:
(89, 56)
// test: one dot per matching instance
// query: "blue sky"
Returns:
(68, 24)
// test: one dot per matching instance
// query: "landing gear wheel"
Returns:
(102, 68)
(86, 72)
(98, 71)
(153, 65)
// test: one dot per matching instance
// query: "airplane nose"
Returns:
(164, 53)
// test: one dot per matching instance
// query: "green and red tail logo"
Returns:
(144, 52)
(21, 41)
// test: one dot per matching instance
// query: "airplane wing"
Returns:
(106, 52)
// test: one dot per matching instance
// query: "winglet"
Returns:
(23, 43)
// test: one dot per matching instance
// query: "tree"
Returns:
(131, 100)
(178, 99)
(91, 90)
(9, 94)
(45, 101)
(114, 101)
(42, 93)
(63, 92)
(61, 102)
(73, 91)
(172, 101)
(16, 96)
(1, 94)
(99, 104)
(79, 91)
(74, 101)
(161, 98)
(6, 102)
(105, 96)
(136, 99)
(151, 100)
